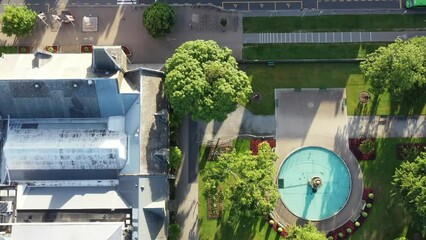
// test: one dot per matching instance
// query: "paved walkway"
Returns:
(329, 37)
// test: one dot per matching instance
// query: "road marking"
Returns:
(371, 37)
(360, 37)
(306, 37)
(334, 38)
(350, 33)
(281, 37)
(341, 36)
(285, 37)
(300, 37)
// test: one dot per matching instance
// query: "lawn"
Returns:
(308, 51)
(8, 49)
(387, 219)
(222, 228)
(323, 75)
(334, 23)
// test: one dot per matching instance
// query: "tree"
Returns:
(203, 80)
(18, 21)
(252, 192)
(309, 231)
(398, 68)
(159, 19)
(175, 158)
(409, 183)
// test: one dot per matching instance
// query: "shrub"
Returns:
(271, 222)
(174, 232)
(364, 214)
(51, 49)
(371, 195)
(348, 230)
(369, 205)
(223, 22)
(175, 157)
(341, 234)
(367, 146)
(330, 238)
(86, 49)
(280, 229)
(357, 224)
(23, 49)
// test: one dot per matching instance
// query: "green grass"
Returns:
(223, 228)
(334, 23)
(308, 51)
(387, 219)
(8, 49)
(302, 75)
(265, 79)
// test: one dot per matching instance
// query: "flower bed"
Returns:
(24, 49)
(127, 51)
(254, 144)
(86, 48)
(52, 49)
(354, 144)
(352, 226)
(275, 227)
(406, 151)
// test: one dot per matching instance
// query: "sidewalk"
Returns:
(329, 37)
(122, 25)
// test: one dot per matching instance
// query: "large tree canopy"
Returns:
(18, 21)
(159, 19)
(309, 231)
(397, 68)
(409, 184)
(252, 192)
(203, 80)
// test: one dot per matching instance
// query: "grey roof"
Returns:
(67, 198)
(68, 231)
(109, 58)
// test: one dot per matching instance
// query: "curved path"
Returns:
(313, 117)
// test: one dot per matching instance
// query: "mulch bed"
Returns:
(86, 48)
(403, 150)
(254, 144)
(214, 152)
(354, 147)
(24, 49)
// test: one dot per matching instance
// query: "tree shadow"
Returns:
(359, 108)
(374, 105)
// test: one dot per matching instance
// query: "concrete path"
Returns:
(387, 127)
(329, 37)
(313, 117)
(239, 122)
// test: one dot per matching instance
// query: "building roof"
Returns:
(68, 198)
(58, 66)
(64, 149)
(68, 231)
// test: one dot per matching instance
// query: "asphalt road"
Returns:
(240, 5)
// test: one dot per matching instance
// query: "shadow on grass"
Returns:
(412, 104)
(204, 152)
(374, 105)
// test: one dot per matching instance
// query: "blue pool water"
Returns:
(298, 195)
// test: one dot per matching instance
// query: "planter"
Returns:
(52, 49)
(24, 49)
(86, 48)
(354, 146)
(127, 51)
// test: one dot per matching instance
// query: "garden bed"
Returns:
(215, 206)
(275, 226)
(24, 49)
(354, 144)
(409, 151)
(254, 144)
